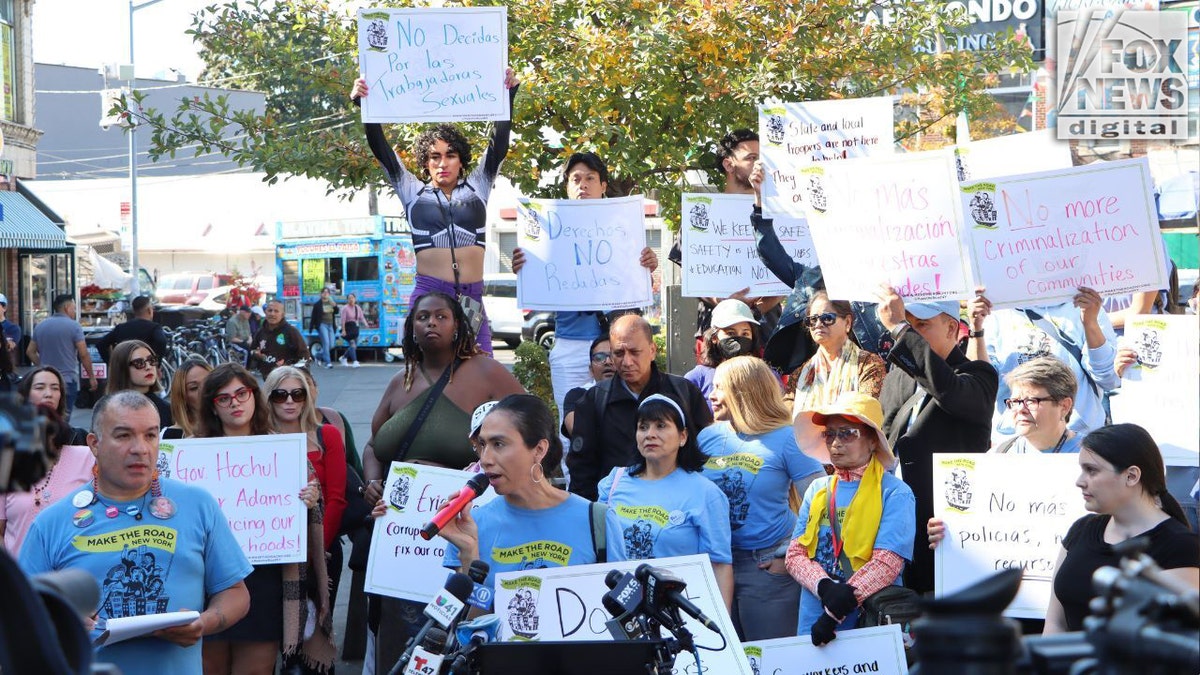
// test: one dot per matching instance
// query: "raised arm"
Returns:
(497, 148)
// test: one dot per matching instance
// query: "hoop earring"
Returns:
(538, 466)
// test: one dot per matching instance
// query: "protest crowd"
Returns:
(800, 454)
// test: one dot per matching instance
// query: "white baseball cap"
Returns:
(477, 416)
(3, 300)
(731, 312)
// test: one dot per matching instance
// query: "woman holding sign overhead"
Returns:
(447, 214)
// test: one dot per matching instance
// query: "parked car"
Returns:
(189, 288)
(500, 303)
(539, 328)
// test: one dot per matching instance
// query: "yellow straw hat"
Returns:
(853, 406)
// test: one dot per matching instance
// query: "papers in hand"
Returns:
(129, 627)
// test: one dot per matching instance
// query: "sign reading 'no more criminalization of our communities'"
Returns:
(256, 482)
(434, 65)
(1038, 237)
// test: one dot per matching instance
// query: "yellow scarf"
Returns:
(861, 522)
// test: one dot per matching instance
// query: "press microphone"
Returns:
(427, 658)
(443, 611)
(470, 636)
(473, 488)
(481, 595)
(663, 587)
(623, 602)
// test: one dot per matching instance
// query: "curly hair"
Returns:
(442, 132)
(729, 143)
(210, 425)
(464, 345)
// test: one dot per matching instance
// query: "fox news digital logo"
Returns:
(1122, 74)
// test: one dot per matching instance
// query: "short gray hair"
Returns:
(127, 399)
(1048, 373)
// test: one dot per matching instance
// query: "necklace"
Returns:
(133, 510)
(42, 495)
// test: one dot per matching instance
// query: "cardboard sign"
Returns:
(582, 254)
(864, 650)
(1036, 238)
(893, 220)
(1003, 512)
(1029, 152)
(1161, 391)
(795, 135)
(401, 564)
(256, 481)
(564, 603)
(720, 256)
(433, 65)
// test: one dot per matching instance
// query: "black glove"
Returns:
(823, 630)
(837, 597)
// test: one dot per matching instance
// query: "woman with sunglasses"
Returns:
(838, 366)
(232, 405)
(133, 365)
(842, 561)
(44, 386)
(734, 332)
(663, 506)
(185, 397)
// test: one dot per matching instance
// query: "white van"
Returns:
(500, 303)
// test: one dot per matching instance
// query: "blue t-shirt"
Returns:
(702, 377)
(682, 513)
(754, 472)
(577, 326)
(513, 538)
(146, 566)
(897, 527)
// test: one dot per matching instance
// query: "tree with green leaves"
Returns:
(648, 85)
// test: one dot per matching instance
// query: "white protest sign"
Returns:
(1161, 392)
(256, 481)
(795, 135)
(1029, 152)
(401, 564)
(582, 254)
(433, 65)
(564, 603)
(1003, 512)
(893, 220)
(720, 256)
(879, 649)
(1039, 237)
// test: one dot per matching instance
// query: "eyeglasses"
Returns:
(281, 395)
(1033, 403)
(825, 319)
(147, 362)
(601, 357)
(845, 434)
(241, 396)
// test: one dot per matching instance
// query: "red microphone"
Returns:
(473, 488)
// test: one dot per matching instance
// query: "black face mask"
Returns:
(735, 346)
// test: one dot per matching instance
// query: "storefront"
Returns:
(36, 260)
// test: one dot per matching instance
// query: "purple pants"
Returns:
(426, 284)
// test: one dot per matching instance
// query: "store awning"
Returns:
(22, 225)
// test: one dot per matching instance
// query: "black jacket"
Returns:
(954, 416)
(609, 439)
(135, 329)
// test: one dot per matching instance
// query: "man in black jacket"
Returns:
(605, 429)
(934, 400)
(140, 327)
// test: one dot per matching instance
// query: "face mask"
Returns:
(735, 346)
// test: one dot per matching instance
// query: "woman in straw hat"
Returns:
(865, 549)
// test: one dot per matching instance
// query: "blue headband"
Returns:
(660, 397)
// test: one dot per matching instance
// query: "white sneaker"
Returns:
(329, 364)
(342, 360)
(354, 365)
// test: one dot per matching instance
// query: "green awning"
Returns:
(22, 225)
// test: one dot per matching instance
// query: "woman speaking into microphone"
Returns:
(533, 524)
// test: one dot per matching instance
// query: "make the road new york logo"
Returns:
(1122, 74)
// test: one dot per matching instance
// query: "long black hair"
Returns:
(534, 421)
(689, 458)
(1126, 445)
(464, 345)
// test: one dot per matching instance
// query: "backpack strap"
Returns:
(1006, 445)
(598, 513)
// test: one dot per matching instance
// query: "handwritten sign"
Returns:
(401, 564)
(720, 256)
(1029, 152)
(1004, 512)
(582, 254)
(796, 135)
(864, 650)
(564, 603)
(1161, 392)
(893, 220)
(256, 481)
(1039, 237)
(433, 65)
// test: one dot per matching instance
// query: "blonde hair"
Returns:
(755, 401)
(309, 420)
(184, 418)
